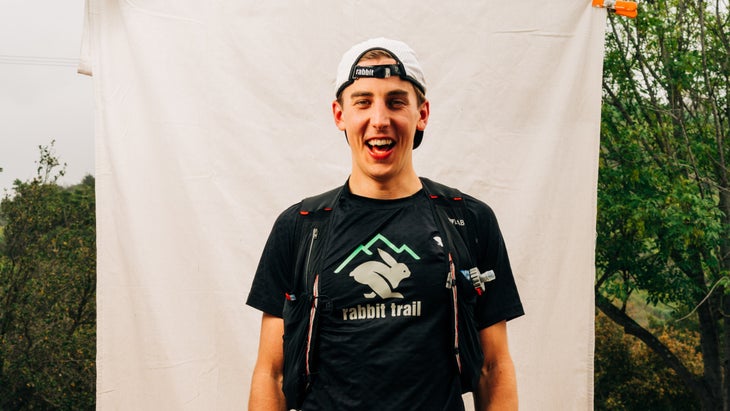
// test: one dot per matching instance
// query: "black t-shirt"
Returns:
(384, 340)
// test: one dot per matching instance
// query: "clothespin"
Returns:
(620, 7)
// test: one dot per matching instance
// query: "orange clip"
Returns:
(622, 8)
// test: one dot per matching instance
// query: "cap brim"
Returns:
(417, 139)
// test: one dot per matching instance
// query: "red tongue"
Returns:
(380, 152)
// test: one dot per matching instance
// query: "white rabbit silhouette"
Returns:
(380, 277)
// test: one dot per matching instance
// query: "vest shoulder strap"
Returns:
(310, 232)
(443, 195)
(321, 202)
(453, 217)
(457, 224)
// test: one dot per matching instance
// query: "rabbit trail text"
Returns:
(382, 310)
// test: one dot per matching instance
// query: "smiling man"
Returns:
(380, 113)
(391, 292)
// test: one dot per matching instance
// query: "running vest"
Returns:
(456, 225)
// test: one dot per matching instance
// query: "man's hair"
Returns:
(382, 54)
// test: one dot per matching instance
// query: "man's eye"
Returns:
(397, 103)
(362, 102)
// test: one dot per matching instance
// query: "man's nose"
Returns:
(380, 115)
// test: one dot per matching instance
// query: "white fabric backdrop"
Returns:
(211, 117)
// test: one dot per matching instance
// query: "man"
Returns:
(378, 323)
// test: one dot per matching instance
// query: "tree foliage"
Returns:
(664, 192)
(47, 293)
(629, 376)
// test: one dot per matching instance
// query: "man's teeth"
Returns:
(380, 142)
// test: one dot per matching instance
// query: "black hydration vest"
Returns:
(456, 224)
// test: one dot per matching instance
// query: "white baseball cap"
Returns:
(407, 68)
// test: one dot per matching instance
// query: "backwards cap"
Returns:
(406, 67)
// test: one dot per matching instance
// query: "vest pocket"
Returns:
(296, 328)
(470, 348)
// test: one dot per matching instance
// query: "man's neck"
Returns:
(390, 189)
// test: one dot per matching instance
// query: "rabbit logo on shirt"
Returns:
(382, 278)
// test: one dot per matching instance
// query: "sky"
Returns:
(42, 97)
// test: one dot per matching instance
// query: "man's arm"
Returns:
(266, 394)
(498, 383)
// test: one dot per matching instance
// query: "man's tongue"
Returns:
(380, 146)
(381, 149)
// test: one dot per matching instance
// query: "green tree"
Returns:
(629, 376)
(664, 185)
(47, 292)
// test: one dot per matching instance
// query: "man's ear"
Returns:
(337, 115)
(424, 111)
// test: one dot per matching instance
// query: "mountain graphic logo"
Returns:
(366, 248)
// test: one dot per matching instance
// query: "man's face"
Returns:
(380, 117)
